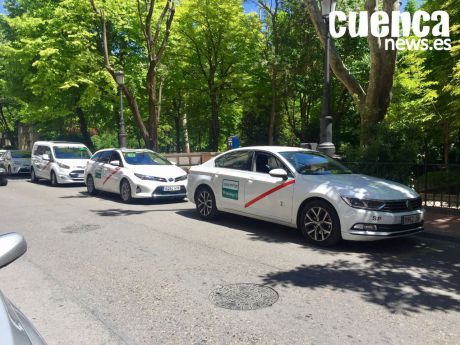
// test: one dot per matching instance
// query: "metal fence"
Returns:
(438, 184)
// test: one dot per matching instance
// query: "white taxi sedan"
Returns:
(135, 174)
(306, 190)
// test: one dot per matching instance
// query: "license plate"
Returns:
(171, 188)
(411, 219)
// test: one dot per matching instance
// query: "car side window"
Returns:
(39, 151)
(116, 157)
(105, 157)
(238, 160)
(265, 162)
(96, 156)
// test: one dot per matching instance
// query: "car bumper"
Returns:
(364, 225)
(68, 177)
(151, 191)
(21, 170)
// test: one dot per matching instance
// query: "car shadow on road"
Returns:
(404, 275)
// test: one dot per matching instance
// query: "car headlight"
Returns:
(63, 166)
(374, 205)
(150, 178)
(181, 178)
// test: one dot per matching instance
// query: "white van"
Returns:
(59, 162)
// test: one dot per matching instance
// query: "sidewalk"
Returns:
(442, 225)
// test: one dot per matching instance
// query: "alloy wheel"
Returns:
(318, 223)
(204, 203)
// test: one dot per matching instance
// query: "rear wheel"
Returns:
(33, 177)
(90, 185)
(53, 179)
(125, 191)
(206, 203)
(3, 181)
(320, 223)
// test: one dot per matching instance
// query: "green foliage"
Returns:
(400, 146)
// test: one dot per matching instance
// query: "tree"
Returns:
(374, 102)
(155, 44)
(218, 40)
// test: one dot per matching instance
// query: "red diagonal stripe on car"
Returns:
(268, 192)
(113, 173)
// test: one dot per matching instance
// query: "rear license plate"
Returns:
(411, 219)
(171, 188)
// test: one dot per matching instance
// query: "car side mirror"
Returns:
(281, 173)
(12, 247)
(115, 163)
(46, 157)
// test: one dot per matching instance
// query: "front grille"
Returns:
(395, 206)
(160, 192)
(398, 227)
(76, 173)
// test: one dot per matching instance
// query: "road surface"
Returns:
(98, 272)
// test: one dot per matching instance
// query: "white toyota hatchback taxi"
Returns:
(307, 190)
(135, 174)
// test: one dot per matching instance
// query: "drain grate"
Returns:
(243, 296)
(80, 228)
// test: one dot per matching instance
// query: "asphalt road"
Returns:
(101, 272)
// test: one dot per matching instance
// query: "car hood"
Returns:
(74, 163)
(165, 171)
(364, 187)
(15, 328)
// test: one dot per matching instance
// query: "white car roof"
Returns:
(59, 143)
(274, 148)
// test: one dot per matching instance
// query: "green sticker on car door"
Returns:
(98, 173)
(230, 189)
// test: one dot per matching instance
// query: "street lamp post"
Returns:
(120, 77)
(326, 146)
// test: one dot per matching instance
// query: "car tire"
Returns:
(53, 179)
(205, 202)
(3, 181)
(320, 224)
(125, 191)
(90, 187)
(33, 177)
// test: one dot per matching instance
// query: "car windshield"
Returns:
(71, 152)
(314, 163)
(144, 158)
(20, 154)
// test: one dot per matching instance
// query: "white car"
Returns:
(306, 190)
(135, 174)
(16, 161)
(59, 162)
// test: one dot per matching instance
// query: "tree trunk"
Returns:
(84, 128)
(153, 119)
(215, 128)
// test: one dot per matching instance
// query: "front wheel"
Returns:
(320, 223)
(3, 181)
(125, 191)
(90, 187)
(33, 177)
(53, 179)
(206, 203)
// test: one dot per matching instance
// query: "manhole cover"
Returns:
(243, 296)
(80, 228)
